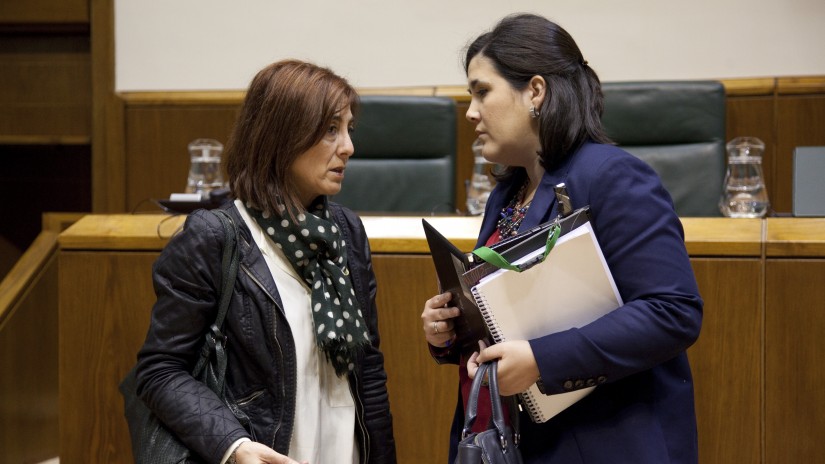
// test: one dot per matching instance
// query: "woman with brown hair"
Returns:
(304, 366)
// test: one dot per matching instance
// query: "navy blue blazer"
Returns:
(642, 410)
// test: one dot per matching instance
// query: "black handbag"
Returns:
(499, 443)
(152, 442)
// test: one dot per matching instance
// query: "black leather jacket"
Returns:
(261, 354)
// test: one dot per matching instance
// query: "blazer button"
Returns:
(601, 379)
(568, 385)
(591, 382)
(579, 383)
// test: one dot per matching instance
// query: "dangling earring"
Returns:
(533, 113)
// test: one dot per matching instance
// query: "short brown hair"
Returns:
(287, 109)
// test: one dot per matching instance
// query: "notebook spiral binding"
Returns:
(532, 409)
(490, 319)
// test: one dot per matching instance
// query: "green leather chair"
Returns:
(405, 156)
(678, 127)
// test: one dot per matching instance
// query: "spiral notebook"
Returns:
(457, 271)
(571, 288)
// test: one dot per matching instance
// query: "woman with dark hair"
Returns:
(304, 365)
(536, 106)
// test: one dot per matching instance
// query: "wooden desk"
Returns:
(794, 340)
(726, 360)
(748, 273)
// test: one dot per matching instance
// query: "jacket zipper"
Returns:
(277, 343)
(365, 452)
(250, 398)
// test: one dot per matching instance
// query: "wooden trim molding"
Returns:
(44, 140)
(181, 98)
(795, 237)
(751, 87)
(14, 287)
(800, 85)
(401, 234)
(108, 172)
(733, 87)
(17, 283)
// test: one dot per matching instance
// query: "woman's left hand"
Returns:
(437, 319)
(517, 368)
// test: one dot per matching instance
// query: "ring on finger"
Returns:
(435, 327)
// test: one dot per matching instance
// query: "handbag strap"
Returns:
(215, 339)
(472, 400)
(513, 406)
(497, 412)
(495, 399)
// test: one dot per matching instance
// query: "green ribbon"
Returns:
(493, 257)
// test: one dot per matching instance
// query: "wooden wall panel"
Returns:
(418, 386)
(422, 393)
(795, 356)
(416, 381)
(727, 353)
(465, 136)
(45, 88)
(158, 121)
(156, 139)
(726, 361)
(29, 381)
(757, 364)
(108, 157)
(800, 122)
(157, 132)
(753, 116)
(99, 341)
(31, 12)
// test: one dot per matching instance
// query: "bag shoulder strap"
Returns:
(230, 261)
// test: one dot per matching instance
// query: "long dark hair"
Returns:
(287, 109)
(525, 45)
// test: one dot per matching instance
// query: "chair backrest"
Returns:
(678, 128)
(405, 156)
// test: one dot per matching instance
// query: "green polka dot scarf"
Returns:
(314, 247)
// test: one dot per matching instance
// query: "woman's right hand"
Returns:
(250, 452)
(437, 319)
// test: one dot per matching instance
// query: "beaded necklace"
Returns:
(513, 214)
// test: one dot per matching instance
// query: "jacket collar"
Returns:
(252, 259)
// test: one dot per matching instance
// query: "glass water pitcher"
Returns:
(205, 172)
(743, 193)
(480, 185)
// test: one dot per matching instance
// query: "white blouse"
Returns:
(324, 426)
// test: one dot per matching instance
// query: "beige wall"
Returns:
(219, 44)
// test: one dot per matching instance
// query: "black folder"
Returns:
(450, 265)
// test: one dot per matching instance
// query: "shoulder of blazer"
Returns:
(350, 223)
